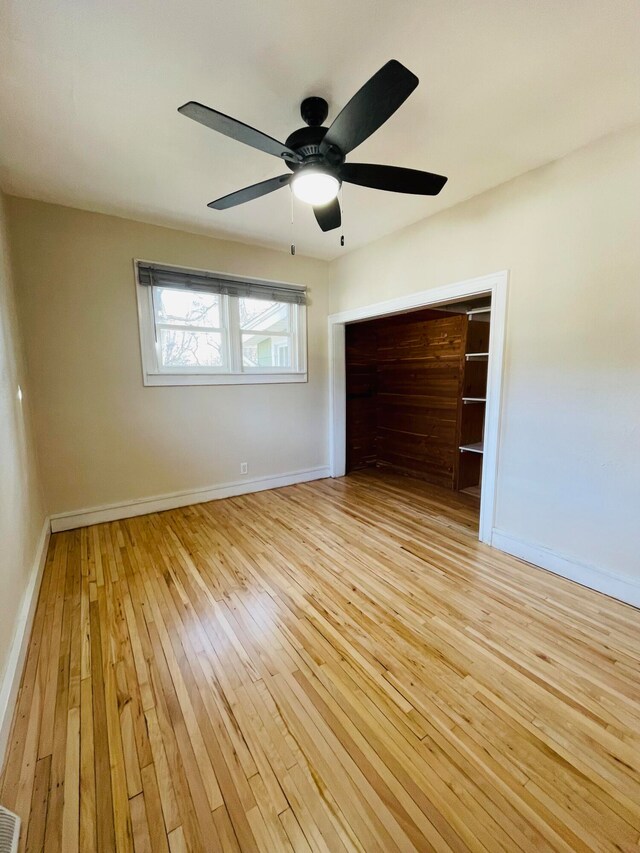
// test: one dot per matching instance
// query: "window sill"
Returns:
(158, 379)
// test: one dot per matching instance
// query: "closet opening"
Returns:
(416, 402)
(411, 360)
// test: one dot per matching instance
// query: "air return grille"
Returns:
(9, 831)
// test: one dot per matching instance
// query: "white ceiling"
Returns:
(89, 91)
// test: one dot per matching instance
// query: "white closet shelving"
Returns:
(473, 398)
(476, 447)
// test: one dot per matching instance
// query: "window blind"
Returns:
(155, 275)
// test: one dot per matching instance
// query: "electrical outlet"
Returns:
(243, 467)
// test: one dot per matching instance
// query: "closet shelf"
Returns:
(474, 491)
(478, 447)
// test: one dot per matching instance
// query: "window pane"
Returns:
(180, 348)
(187, 307)
(263, 315)
(265, 351)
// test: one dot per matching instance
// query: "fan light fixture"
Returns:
(315, 186)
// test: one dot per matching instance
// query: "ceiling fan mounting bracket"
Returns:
(314, 111)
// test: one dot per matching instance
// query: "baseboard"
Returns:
(159, 503)
(617, 586)
(18, 651)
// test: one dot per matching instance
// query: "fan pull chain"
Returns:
(293, 245)
(342, 218)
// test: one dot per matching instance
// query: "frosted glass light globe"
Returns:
(315, 187)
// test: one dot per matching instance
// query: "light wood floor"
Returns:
(332, 666)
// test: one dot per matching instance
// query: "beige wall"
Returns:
(569, 465)
(22, 512)
(105, 438)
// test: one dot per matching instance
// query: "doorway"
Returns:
(470, 463)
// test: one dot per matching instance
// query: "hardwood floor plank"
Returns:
(34, 837)
(139, 824)
(60, 716)
(88, 840)
(105, 837)
(153, 806)
(71, 806)
(294, 833)
(334, 666)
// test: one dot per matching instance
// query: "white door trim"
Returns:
(495, 285)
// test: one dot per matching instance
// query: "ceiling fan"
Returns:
(316, 154)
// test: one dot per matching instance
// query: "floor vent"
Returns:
(9, 831)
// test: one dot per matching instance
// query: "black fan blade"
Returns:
(249, 193)
(395, 179)
(370, 107)
(236, 130)
(329, 216)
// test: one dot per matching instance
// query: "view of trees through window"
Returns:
(186, 321)
(192, 329)
(252, 309)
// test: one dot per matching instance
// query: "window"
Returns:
(190, 329)
(200, 328)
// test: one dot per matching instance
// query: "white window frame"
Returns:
(233, 373)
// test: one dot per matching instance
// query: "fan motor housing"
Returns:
(306, 142)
